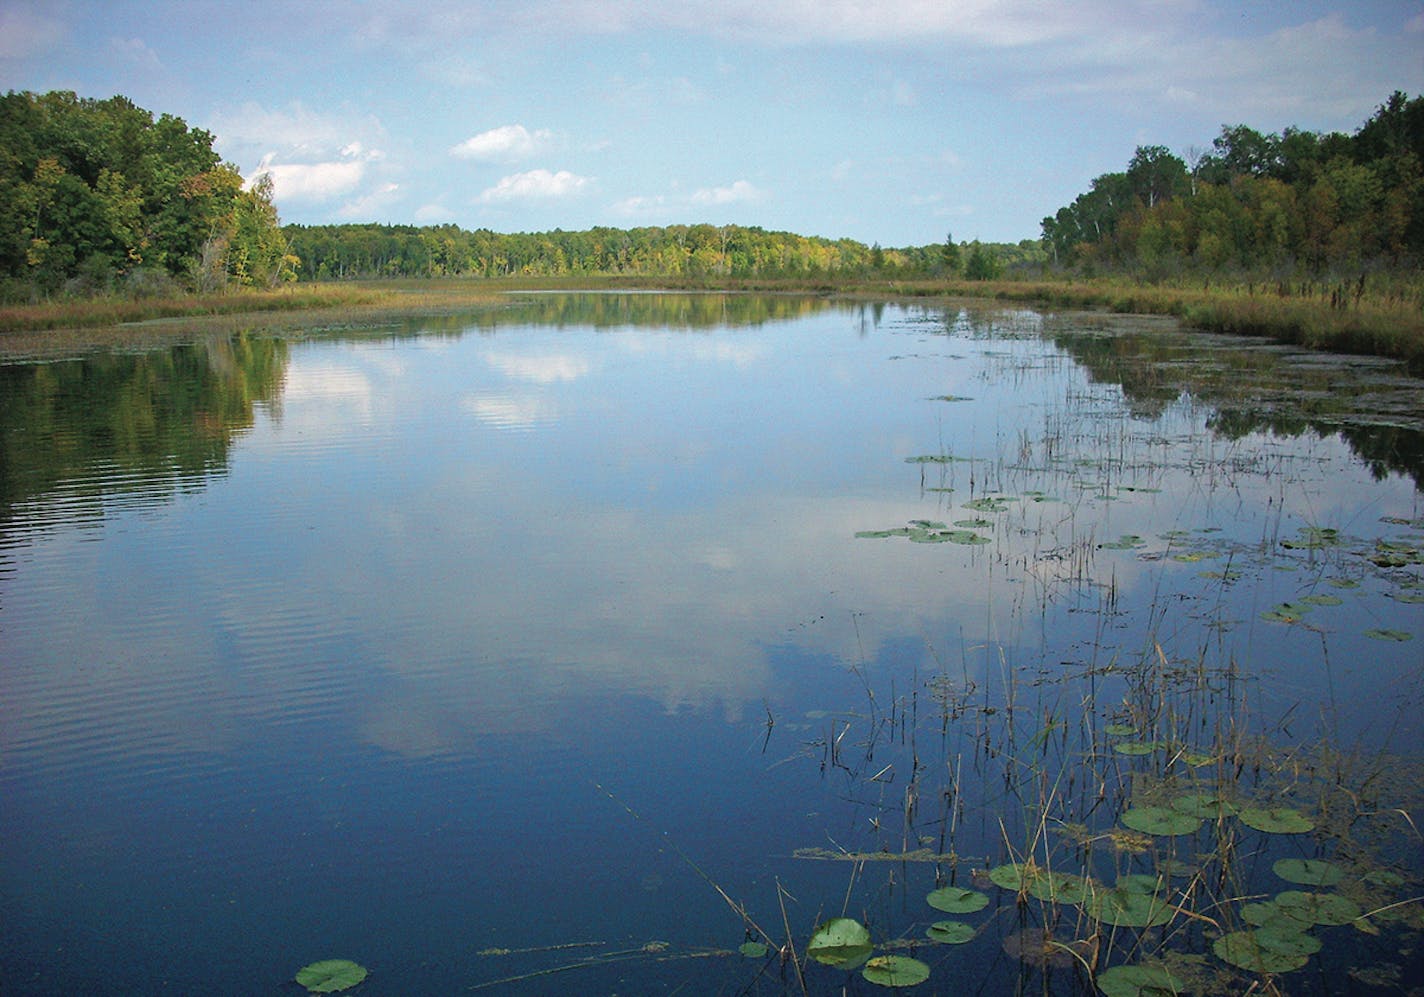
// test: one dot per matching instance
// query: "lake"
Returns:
(574, 645)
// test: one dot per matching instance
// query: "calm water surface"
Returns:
(486, 647)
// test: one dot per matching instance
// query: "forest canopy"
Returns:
(99, 194)
(1271, 205)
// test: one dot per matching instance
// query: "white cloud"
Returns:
(505, 144)
(433, 214)
(135, 54)
(311, 181)
(368, 205)
(740, 191)
(535, 185)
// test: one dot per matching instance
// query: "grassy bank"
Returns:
(1383, 318)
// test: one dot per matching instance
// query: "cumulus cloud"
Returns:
(505, 144)
(535, 185)
(739, 191)
(311, 181)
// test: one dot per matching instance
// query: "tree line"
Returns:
(335, 252)
(101, 195)
(1277, 205)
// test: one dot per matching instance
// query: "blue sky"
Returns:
(889, 122)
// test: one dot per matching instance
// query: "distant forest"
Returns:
(100, 196)
(344, 251)
(1296, 203)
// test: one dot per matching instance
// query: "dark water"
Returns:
(535, 644)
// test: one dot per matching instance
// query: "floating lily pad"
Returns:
(842, 942)
(974, 524)
(951, 398)
(1318, 908)
(331, 975)
(1127, 541)
(1013, 875)
(1246, 950)
(1120, 730)
(1138, 981)
(1204, 805)
(1309, 872)
(988, 504)
(1387, 634)
(950, 932)
(882, 534)
(1276, 820)
(1061, 888)
(1130, 910)
(1344, 583)
(895, 971)
(753, 950)
(957, 900)
(1195, 759)
(1323, 600)
(1160, 821)
(1139, 882)
(1137, 747)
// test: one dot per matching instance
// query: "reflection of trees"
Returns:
(126, 422)
(660, 310)
(1259, 390)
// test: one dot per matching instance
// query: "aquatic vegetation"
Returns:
(896, 971)
(950, 932)
(331, 975)
(957, 900)
(841, 942)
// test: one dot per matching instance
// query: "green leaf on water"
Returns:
(1139, 882)
(1060, 888)
(1309, 872)
(1120, 730)
(1130, 910)
(1318, 908)
(1276, 820)
(1126, 542)
(1160, 821)
(1137, 747)
(330, 975)
(1138, 981)
(1248, 950)
(1323, 600)
(957, 900)
(951, 398)
(895, 971)
(988, 504)
(882, 534)
(753, 950)
(1387, 634)
(1204, 805)
(842, 942)
(950, 932)
(1012, 875)
(1344, 583)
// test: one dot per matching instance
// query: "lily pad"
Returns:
(753, 950)
(1060, 888)
(1013, 875)
(1247, 950)
(1136, 747)
(950, 932)
(895, 971)
(1276, 820)
(1138, 981)
(1318, 908)
(1161, 821)
(957, 900)
(842, 942)
(1139, 882)
(987, 504)
(1309, 872)
(1130, 910)
(1323, 600)
(1127, 541)
(330, 975)
(1204, 805)
(1120, 730)
(1388, 634)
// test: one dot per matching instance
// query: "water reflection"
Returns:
(435, 582)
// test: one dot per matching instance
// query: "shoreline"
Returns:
(1333, 318)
